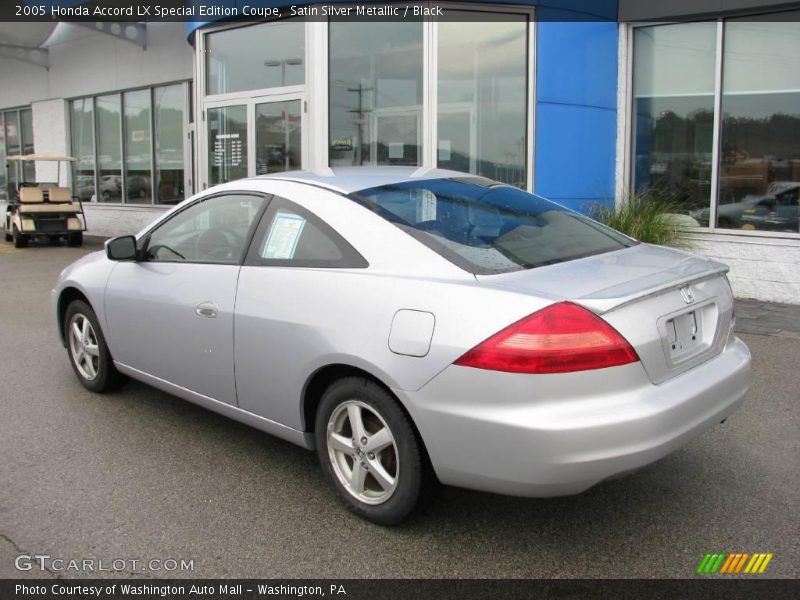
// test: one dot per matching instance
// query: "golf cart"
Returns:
(43, 210)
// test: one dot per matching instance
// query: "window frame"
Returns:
(429, 138)
(187, 126)
(627, 167)
(351, 258)
(143, 240)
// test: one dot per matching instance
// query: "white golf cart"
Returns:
(43, 210)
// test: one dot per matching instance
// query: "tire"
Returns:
(8, 237)
(20, 239)
(75, 239)
(398, 479)
(54, 240)
(95, 371)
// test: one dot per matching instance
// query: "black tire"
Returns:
(8, 236)
(75, 239)
(107, 378)
(54, 240)
(414, 477)
(20, 239)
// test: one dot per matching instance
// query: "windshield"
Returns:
(486, 227)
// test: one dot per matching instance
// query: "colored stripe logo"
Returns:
(733, 563)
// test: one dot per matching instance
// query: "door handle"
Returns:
(209, 310)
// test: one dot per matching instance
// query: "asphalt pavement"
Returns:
(141, 475)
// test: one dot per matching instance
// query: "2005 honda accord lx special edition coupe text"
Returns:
(414, 327)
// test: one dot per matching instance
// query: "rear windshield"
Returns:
(488, 228)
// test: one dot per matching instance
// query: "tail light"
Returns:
(561, 338)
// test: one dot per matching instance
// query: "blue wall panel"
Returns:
(575, 150)
(576, 112)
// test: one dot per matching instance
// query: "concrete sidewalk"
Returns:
(768, 318)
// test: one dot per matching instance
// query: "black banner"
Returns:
(260, 10)
(438, 589)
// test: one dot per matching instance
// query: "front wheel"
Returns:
(87, 349)
(75, 239)
(20, 239)
(370, 453)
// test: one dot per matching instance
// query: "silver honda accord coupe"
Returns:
(414, 327)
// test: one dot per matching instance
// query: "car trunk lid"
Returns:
(673, 307)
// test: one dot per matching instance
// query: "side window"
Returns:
(292, 236)
(214, 230)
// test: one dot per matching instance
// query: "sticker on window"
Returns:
(283, 236)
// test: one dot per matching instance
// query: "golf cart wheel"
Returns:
(8, 236)
(54, 239)
(75, 239)
(20, 239)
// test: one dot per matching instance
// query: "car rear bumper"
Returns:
(554, 435)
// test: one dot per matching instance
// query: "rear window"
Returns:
(485, 227)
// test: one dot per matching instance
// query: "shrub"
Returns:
(649, 217)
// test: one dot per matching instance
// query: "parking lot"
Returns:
(142, 475)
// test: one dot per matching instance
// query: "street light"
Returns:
(292, 62)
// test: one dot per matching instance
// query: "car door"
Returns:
(283, 319)
(170, 315)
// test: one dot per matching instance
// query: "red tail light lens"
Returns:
(561, 338)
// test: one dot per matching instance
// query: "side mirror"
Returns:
(121, 248)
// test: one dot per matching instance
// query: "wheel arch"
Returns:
(323, 377)
(65, 298)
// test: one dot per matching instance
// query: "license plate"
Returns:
(684, 334)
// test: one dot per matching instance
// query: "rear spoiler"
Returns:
(610, 298)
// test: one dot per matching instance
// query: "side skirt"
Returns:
(301, 438)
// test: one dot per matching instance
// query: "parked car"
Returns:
(778, 212)
(414, 328)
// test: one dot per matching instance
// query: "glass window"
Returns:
(109, 148)
(482, 95)
(3, 182)
(292, 236)
(213, 230)
(375, 93)
(485, 227)
(760, 145)
(170, 106)
(278, 137)
(255, 57)
(13, 146)
(227, 143)
(138, 185)
(673, 112)
(26, 129)
(82, 130)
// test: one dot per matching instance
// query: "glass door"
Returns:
(278, 136)
(254, 136)
(227, 143)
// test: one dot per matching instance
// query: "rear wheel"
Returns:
(54, 239)
(20, 239)
(87, 349)
(75, 239)
(370, 453)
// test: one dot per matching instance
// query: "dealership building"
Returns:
(584, 102)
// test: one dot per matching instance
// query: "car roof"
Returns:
(352, 179)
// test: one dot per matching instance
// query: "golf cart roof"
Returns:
(51, 157)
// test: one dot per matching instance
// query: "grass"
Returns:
(649, 217)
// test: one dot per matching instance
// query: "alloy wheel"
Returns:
(83, 346)
(363, 452)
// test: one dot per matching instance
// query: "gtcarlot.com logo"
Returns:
(45, 562)
(734, 563)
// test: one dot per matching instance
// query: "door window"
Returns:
(214, 230)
